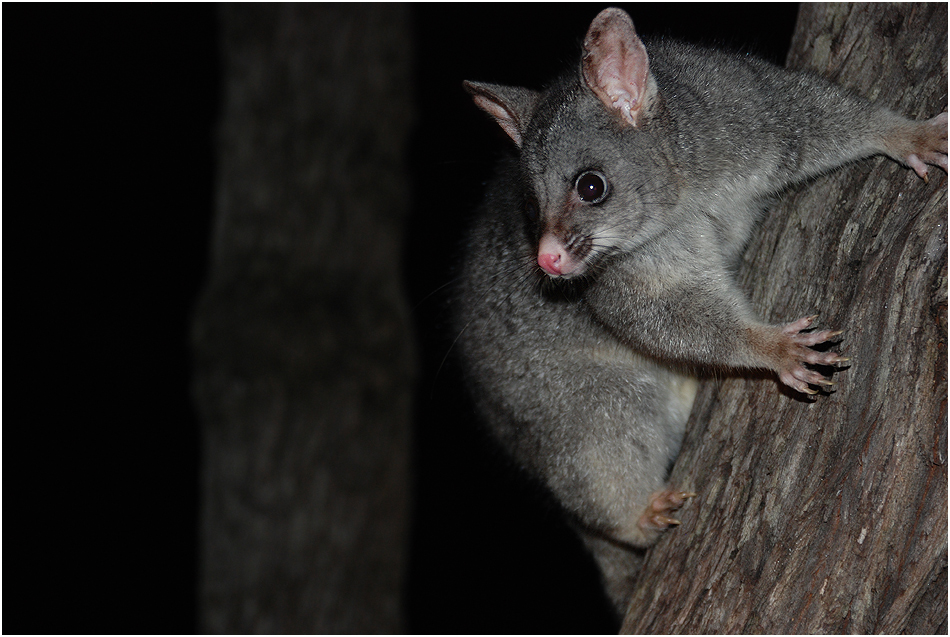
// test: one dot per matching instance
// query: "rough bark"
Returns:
(301, 338)
(831, 515)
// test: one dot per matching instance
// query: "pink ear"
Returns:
(616, 67)
(510, 106)
(505, 118)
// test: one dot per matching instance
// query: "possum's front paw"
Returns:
(656, 516)
(925, 144)
(793, 348)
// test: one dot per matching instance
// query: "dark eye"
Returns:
(531, 211)
(591, 186)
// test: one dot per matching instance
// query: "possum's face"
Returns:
(596, 178)
(594, 187)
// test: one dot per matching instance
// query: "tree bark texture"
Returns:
(302, 343)
(830, 516)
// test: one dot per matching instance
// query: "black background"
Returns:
(109, 166)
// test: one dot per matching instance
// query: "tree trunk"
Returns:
(830, 516)
(302, 340)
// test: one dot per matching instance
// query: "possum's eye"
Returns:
(591, 186)
(531, 211)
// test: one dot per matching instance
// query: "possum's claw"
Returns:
(922, 143)
(793, 348)
(655, 516)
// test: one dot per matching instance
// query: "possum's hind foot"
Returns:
(656, 517)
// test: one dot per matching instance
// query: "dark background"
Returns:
(109, 169)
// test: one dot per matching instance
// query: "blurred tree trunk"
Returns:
(304, 364)
(831, 516)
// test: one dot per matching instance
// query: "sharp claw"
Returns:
(918, 166)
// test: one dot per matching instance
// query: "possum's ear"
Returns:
(616, 67)
(511, 106)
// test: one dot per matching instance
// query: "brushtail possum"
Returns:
(599, 270)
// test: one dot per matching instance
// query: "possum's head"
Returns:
(593, 172)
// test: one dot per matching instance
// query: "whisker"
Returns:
(434, 292)
(522, 270)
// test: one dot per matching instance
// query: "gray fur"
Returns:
(585, 379)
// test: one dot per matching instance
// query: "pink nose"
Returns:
(550, 263)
